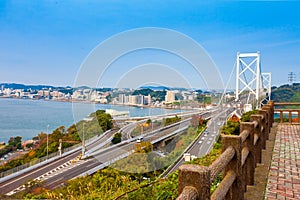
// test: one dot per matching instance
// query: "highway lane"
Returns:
(206, 140)
(60, 179)
(11, 184)
(126, 130)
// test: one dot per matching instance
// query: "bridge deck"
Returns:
(284, 174)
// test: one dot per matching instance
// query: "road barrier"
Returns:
(237, 163)
(44, 160)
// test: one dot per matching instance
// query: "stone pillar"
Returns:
(237, 189)
(257, 130)
(197, 177)
(264, 126)
(250, 161)
(269, 121)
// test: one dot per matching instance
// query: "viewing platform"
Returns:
(284, 174)
(263, 162)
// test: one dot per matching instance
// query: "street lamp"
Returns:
(47, 140)
(87, 119)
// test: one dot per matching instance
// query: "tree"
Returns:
(148, 121)
(16, 142)
(104, 120)
(117, 138)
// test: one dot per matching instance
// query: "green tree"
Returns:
(117, 138)
(15, 142)
(104, 120)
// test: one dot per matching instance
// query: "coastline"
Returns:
(92, 102)
(29, 119)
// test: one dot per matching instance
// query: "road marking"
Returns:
(34, 171)
(49, 174)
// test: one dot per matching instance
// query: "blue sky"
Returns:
(45, 42)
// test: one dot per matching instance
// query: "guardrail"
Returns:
(45, 160)
(289, 111)
(237, 163)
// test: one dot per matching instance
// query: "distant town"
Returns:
(144, 97)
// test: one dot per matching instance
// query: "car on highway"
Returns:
(140, 139)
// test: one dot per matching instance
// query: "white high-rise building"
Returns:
(170, 97)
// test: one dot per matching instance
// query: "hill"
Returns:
(286, 93)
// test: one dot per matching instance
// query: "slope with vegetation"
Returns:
(286, 93)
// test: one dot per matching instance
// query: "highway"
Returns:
(17, 181)
(55, 176)
(204, 143)
(56, 173)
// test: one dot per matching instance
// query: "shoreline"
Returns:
(90, 102)
(26, 134)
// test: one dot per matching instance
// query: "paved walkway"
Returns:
(284, 174)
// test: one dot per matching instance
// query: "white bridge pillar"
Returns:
(249, 78)
(248, 74)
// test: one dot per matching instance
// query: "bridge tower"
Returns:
(248, 75)
(250, 80)
(267, 84)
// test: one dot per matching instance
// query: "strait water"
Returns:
(27, 118)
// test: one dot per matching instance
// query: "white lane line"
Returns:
(33, 172)
(48, 175)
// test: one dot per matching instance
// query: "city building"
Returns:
(170, 97)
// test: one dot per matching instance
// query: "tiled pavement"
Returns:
(284, 174)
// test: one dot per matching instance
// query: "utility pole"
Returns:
(83, 143)
(47, 140)
(87, 119)
(291, 77)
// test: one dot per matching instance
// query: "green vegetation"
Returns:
(117, 138)
(155, 95)
(286, 93)
(246, 116)
(233, 128)
(204, 99)
(14, 143)
(171, 120)
(104, 120)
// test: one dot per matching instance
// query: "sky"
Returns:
(48, 42)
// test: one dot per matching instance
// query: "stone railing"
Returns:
(289, 111)
(237, 163)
